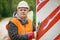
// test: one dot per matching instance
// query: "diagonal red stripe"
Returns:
(58, 37)
(41, 32)
(41, 5)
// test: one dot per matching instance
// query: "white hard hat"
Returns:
(23, 4)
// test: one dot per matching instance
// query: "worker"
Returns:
(20, 27)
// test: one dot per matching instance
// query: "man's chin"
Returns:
(23, 16)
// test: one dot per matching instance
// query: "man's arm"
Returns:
(13, 33)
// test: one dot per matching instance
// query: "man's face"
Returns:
(22, 12)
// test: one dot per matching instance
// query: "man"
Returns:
(20, 27)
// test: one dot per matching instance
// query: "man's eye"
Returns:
(24, 10)
(20, 10)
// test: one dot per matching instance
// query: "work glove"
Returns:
(30, 35)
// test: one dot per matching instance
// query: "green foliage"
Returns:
(7, 7)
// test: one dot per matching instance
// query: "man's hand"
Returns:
(30, 35)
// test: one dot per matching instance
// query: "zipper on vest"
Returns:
(25, 28)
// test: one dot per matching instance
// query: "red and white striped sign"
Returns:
(41, 3)
(48, 21)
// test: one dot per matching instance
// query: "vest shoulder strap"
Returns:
(15, 21)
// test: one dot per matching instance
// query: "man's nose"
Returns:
(23, 11)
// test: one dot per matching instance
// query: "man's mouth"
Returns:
(23, 13)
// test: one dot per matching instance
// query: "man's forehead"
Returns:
(22, 8)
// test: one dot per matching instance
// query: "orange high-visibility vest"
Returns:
(22, 29)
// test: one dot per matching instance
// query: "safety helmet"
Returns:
(23, 4)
